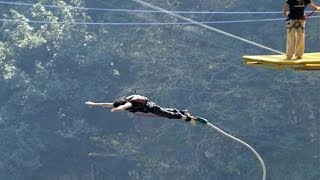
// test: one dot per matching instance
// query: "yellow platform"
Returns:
(310, 61)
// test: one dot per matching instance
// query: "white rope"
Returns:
(205, 26)
(264, 171)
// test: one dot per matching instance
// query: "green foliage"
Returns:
(48, 71)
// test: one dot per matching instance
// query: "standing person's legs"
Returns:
(300, 43)
(291, 34)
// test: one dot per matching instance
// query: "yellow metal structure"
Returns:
(310, 61)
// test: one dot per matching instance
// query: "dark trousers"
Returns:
(170, 113)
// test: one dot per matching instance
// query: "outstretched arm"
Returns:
(99, 104)
(122, 107)
(314, 7)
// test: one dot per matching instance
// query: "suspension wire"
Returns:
(142, 24)
(153, 7)
(205, 26)
(142, 11)
(137, 23)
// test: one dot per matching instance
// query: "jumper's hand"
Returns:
(115, 109)
(89, 103)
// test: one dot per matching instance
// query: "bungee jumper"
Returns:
(138, 103)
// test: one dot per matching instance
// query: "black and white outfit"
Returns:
(142, 104)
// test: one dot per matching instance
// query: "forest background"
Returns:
(49, 69)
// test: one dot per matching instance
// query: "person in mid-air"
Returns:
(137, 103)
(293, 10)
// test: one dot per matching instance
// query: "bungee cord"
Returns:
(205, 121)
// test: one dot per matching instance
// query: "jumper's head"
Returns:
(119, 102)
